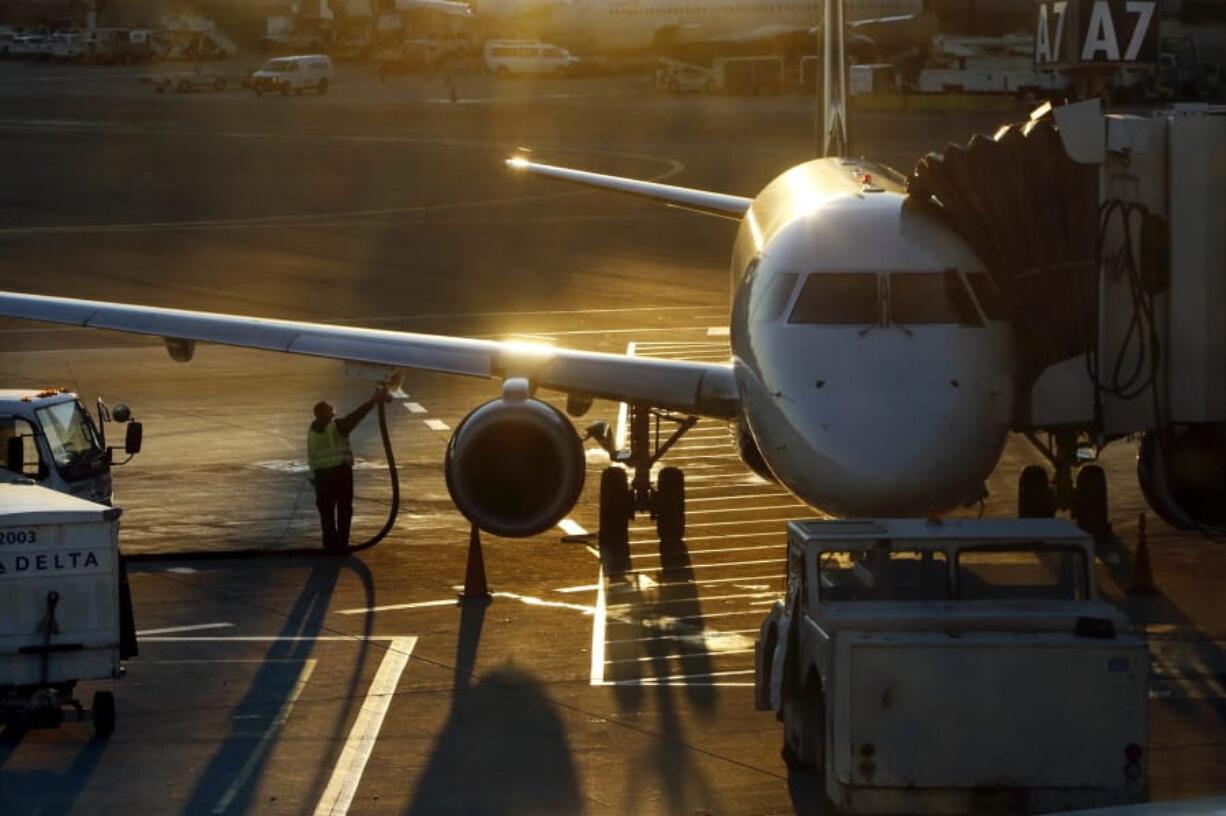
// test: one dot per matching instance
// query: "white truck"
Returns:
(954, 666)
(47, 436)
(62, 617)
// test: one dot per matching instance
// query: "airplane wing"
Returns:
(703, 389)
(727, 206)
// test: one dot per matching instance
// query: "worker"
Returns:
(331, 462)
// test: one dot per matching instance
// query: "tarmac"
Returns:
(360, 685)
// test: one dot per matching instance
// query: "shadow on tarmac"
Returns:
(503, 749)
(52, 791)
(656, 644)
(233, 774)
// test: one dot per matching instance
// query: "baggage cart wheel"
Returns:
(104, 714)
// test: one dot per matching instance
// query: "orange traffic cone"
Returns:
(1142, 573)
(475, 586)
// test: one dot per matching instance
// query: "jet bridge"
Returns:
(1105, 237)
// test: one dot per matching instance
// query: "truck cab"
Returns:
(50, 438)
(954, 666)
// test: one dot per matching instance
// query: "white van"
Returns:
(506, 57)
(287, 75)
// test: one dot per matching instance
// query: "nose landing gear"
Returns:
(1085, 498)
(621, 499)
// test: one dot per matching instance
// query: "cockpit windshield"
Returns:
(838, 298)
(925, 298)
(70, 435)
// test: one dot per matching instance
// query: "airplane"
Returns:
(618, 26)
(870, 373)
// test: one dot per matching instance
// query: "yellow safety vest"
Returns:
(328, 448)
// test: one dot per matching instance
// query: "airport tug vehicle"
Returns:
(50, 438)
(60, 606)
(926, 666)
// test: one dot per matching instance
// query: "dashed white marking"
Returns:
(338, 796)
(399, 394)
(415, 408)
(261, 748)
(572, 527)
(436, 425)
(198, 627)
(181, 570)
(681, 679)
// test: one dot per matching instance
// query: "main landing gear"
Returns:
(622, 497)
(1085, 498)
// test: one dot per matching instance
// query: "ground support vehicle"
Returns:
(683, 77)
(60, 594)
(504, 58)
(286, 75)
(956, 666)
(189, 81)
(48, 437)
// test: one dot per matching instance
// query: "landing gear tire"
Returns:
(614, 534)
(804, 728)
(1035, 498)
(1090, 507)
(670, 506)
(104, 714)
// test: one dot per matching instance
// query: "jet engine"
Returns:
(1182, 472)
(515, 466)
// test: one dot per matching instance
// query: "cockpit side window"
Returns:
(926, 298)
(838, 298)
(773, 299)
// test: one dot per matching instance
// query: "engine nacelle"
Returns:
(515, 467)
(1183, 475)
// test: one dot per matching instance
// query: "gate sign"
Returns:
(1071, 33)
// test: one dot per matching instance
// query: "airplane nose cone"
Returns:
(891, 450)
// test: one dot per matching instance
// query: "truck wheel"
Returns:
(670, 505)
(1034, 494)
(1090, 502)
(614, 534)
(804, 726)
(323, 87)
(104, 714)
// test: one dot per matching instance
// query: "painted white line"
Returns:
(181, 570)
(269, 638)
(598, 629)
(779, 546)
(399, 394)
(338, 796)
(365, 610)
(583, 588)
(773, 596)
(530, 600)
(257, 754)
(676, 679)
(436, 425)
(198, 627)
(572, 527)
(705, 655)
(415, 408)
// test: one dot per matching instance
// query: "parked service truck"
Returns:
(47, 436)
(954, 666)
(61, 609)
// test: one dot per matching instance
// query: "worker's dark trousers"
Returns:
(334, 498)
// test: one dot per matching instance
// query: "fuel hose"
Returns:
(314, 552)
